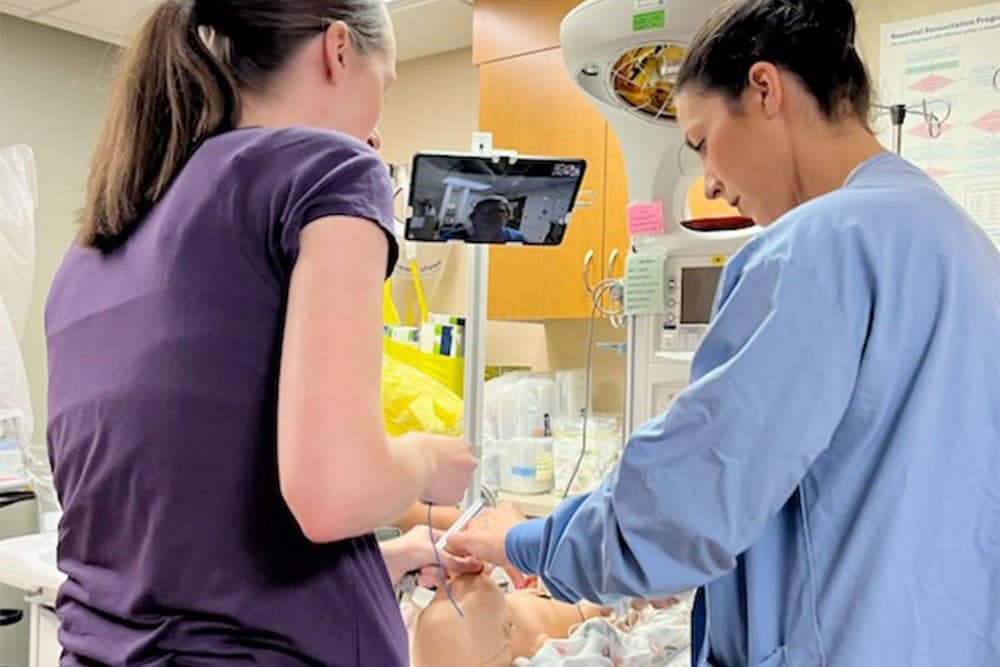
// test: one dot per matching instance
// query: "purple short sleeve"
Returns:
(315, 174)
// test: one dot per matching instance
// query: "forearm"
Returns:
(581, 553)
(442, 516)
(397, 560)
(408, 471)
(339, 496)
(386, 489)
(698, 485)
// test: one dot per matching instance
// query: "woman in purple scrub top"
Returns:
(214, 341)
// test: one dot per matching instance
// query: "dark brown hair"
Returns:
(180, 83)
(813, 39)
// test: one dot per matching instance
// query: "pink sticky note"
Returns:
(645, 218)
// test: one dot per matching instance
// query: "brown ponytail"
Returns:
(169, 95)
(175, 88)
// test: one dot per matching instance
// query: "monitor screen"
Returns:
(698, 286)
(477, 200)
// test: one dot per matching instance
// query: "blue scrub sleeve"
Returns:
(696, 486)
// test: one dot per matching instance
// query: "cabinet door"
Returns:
(616, 237)
(44, 649)
(507, 28)
(530, 105)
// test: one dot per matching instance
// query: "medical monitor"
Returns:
(698, 286)
(691, 285)
(476, 199)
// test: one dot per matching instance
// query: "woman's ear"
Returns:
(337, 45)
(765, 91)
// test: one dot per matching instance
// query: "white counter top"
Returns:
(29, 564)
(537, 505)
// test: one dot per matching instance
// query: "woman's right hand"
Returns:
(450, 465)
(485, 538)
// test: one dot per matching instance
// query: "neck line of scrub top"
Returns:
(864, 165)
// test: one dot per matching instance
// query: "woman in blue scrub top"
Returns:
(830, 480)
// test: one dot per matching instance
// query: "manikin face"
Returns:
(496, 628)
(441, 638)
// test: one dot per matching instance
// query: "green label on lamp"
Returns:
(649, 20)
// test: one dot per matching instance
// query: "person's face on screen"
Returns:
(489, 218)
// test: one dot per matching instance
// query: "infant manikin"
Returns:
(497, 628)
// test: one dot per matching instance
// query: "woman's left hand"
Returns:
(415, 551)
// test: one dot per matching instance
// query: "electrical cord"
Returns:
(604, 288)
(10, 617)
(437, 558)
(14, 497)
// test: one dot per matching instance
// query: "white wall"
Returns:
(51, 98)
(52, 95)
(434, 106)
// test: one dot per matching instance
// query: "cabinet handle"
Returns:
(586, 199)
(612, 262)
(588, 259)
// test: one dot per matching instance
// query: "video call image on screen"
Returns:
(476, 200)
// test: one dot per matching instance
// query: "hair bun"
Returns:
(835, 15)
(811, 38)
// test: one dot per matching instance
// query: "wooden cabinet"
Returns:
(616, 236)
(530, 104)
(507, 28)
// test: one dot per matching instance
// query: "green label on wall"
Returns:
(649, 20)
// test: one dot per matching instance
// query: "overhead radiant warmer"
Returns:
(625, 56)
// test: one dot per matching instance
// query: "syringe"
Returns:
(467, 516)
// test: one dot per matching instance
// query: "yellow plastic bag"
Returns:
(449, 371)
(420, 391)
(414, 401)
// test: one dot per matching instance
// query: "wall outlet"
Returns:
(482, 142)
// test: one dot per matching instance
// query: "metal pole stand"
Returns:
(476, 295)
(476, 298)
(897, 113)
